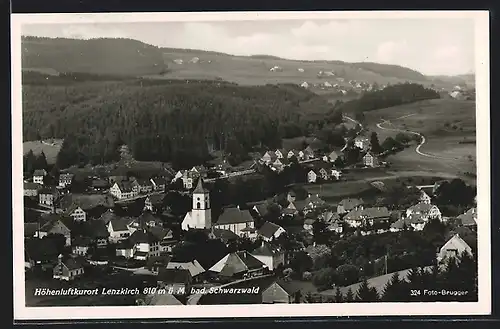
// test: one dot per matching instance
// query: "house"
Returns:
(361, 142)
(141, 241)
(427, 211)
(308, 224)
(180, 280)
(39, 175)
(81, 246)
(312, 176)
(159, 183)
(235, 220)
(269, 157)
(332, 157)
(32, 189)
(200, 216)
(240, 264)
(367, 216)
(280, 154)
(116, 179)
(292, 154)
(335, 174)
(124, 248)
(304, 84)
(347, 205)
(226, 236)
(97, 231)
(469, 218)
(99, 184)
(332, 219)
(307, 153)
(123, 190)
(424, 197)
(154, 202)
(142, 186)
(194, 268)
(118, 230)
(369, 160)
(261, 209)
(312, 202)
(280, 164)
(163, 243)
(292, 209)
(271, 256)
(279, 292)
(48, 196)
(56, 225)
(269, 231)
(65, 180)
(68, 269)
(76, 213)
(146, 219)
(453, 248)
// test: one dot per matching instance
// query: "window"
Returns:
(198, 205)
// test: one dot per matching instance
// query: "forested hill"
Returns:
(167, 120)
(392, 71)
(98, 56)
(390, 96)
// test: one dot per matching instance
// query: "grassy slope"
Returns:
(51, 149)
(430, 118)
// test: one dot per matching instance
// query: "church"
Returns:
(200, 217)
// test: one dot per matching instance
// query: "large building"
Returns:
(200, 217)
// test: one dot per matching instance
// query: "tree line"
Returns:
(170, 121)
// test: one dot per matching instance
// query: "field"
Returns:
(50, 148)
(449, 128)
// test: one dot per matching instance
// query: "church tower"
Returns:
(201, 213)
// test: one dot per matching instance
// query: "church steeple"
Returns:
(200, 189)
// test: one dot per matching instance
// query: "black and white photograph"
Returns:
(190, 160)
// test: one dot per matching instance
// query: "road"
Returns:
(356, 122)
(422, 140)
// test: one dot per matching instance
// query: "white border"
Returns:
(482, 307)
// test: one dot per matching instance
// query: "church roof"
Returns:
(199, 187)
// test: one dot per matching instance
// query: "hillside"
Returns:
(167, 120)
(463, 79)
(98, 56)
(131, 57)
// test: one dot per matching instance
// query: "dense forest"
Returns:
(392, 95)
(167, 120)
(98, 56)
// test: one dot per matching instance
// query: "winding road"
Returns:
(422, 141)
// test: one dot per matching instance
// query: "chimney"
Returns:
(59, 259)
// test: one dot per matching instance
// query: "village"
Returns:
(138, 227)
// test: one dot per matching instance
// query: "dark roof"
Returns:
(142, 236)
(199, 187)
(469, 218)
(349, 203)
(250, 261)
(95, 229)
(156, 198)
(30, 229)
(266, 249)
(174, 275)
(261, 209)
(120, 224)
(225, 235)
(82, 241)
(71, 208)
(144, 182)
(268, 229)
(108, 216)
(369, 213)
(40, 172)
(159, 180)
(100, 183)
(233, 216)
(286, 286)
(32, 186)
(72, 264)
(125, 186)
(53, 221)
(159, 232)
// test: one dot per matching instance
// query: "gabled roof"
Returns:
(314, 199)
(71, 209)
(95, 229)
(48, 226)
(159, 232)
(225, 235)
(261, 209)
(193, 267)
(368, 213)
(72, 264)
(286, 286)
(119, 224)
(162, 299)
(468, 218)
(350, 204)
(266, 249)
(235, 263)
(234, 216)
(125, 186)
(174, 275)
(40, 172)
(108, 216)
(200, 189)
(142, 236)
(156, 198)
(421, 207)
(268, 229)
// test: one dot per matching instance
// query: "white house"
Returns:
(311, 176)
(424, 197)
(425, 210)
(453, 248)
(271, 256)
(39, 175)
(335, 173)
(65, 179)
(123, 190)
(76, 213)
(304, 85)
(118, 230)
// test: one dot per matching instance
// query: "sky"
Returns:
(431, 46)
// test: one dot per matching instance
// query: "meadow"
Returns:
(50, 148)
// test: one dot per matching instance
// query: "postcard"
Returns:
(250, 164)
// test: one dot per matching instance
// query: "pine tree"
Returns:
(29, 162)
(374, 143)
(393, 289)
(366, 293)
(41, 161)
(349, 296)
(339, 298)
